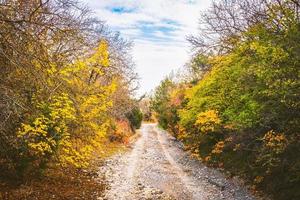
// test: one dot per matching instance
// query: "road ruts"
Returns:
(156, 167)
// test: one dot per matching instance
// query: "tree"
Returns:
(243, 112)
(61, 70)
(159, 101)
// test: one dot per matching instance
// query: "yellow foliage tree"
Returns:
(48, 132)
(92, 101)
(71, 125)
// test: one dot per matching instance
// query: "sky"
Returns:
(158, 29)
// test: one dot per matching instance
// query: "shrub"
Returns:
(135, 117)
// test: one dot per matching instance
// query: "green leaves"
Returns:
(135, 117)
(249, 94)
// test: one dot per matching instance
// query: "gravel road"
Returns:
(156, 167)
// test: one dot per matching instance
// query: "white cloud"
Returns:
(155, 61)
(158, 29)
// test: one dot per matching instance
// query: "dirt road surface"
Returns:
(156, 167)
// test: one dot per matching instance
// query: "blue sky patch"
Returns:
(153, 31)
(121, 9)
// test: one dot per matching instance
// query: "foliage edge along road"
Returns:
(157, 168)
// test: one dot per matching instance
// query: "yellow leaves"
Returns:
(220, 60)
(38, 128)
(93, 98)
(208, 121)
(62, 108)
(40, 148)
(208, 116)
(72, 153)
(36, 137)
(37, 65)
(49, 130)
(93, 108)
(47, 133)
(87, 67)
(182, 133)
(92, 104)
(52, 70)
(101, 56)
(269, 51)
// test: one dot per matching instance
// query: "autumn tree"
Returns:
(242, 111)
(60, 71)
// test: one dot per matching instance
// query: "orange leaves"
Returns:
(273, 145)
(218, 148)
(207, 158)
(177, 94)
(276, 142)
(122, 132)
(182, 133)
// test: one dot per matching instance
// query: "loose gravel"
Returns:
(156, 167)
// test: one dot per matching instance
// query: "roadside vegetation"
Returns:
(237, 106)
(66, 92)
